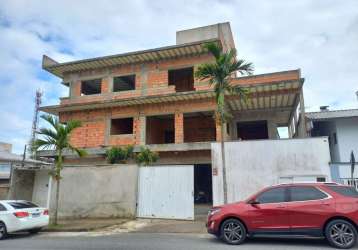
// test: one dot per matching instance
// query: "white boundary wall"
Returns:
(252, 165)
(92, 192)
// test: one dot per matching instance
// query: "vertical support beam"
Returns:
(107, 132)
(105, 88)
(179, 127)
(294, 128)
(302, 131)
(289, 127)
(143, 80)
(143, 129)
(272, 129)
(75, 88)
(233, 130)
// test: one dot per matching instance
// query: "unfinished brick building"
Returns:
(152, 98)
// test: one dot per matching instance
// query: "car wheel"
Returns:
(233, 232)
(341, 234)
(34, 231)
(3, 232)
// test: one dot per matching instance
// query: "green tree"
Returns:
(57, 138)
(219, 73)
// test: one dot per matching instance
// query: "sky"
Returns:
(318, 36)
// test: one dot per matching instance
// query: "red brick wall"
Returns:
(156, 79)
(93, 131)
(199, 129)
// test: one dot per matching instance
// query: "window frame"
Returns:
(88, 80)
(286, 197)
(327, 196)
(126, 75)
(120, 118)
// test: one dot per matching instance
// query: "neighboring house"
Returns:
(151, 98)
(5, 150)
(17, 176)
(341, 127)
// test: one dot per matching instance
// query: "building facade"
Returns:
(152, 98)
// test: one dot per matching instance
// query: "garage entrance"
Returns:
(166, 192)
(203, 193)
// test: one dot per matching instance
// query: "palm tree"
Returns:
(57, 138)
(219, 74)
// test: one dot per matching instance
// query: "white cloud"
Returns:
(320, 37)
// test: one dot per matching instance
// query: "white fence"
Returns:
(252, 165)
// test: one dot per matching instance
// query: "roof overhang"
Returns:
(275, 95)
(281, 94)
(332, 114)
(189, 49)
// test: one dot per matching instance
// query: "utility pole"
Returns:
(35, 122)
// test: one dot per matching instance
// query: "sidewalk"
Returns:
(84, 225)
(172, 226)
(135, 225)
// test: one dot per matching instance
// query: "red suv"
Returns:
(320, 209)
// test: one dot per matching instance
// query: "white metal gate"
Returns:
(166, 192)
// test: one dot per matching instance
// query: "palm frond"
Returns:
(243, 67)
(71, 125)
(44, 144)
(47, 132)
(51, 119)
(205, 71)
(214, 49)
(80, 152)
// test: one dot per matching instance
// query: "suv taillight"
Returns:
(21, 214)
(46, 212)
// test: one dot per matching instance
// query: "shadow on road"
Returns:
(260, 241)
(21, 235)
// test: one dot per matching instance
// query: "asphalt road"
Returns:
(149, 241)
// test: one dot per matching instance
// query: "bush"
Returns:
(119, 154)
(146, 156)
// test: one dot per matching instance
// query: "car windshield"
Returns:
(345, 191)
(22, 204)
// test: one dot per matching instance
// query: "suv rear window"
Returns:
(306, 194)
(345, 191)
(22, 204)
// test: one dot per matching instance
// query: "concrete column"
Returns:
(294, 128)
(75, 86)
(179, 127)
(143, 129)
(302, 131)
(143, 80)
(272, 129)
(107, 132)
(289, 128)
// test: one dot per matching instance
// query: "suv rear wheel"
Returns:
(341, 234)
(233, 232)
(3, 232)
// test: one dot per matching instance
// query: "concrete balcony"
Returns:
(171, 147)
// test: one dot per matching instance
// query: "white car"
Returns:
(20, 215)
